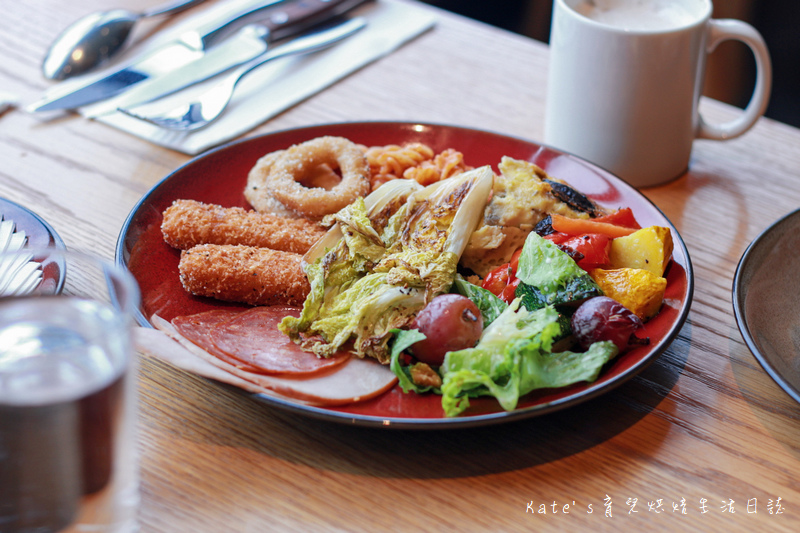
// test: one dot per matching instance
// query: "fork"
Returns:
(210, 105)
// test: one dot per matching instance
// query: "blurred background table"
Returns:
(704, 425)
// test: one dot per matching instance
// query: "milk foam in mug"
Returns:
(637, 15)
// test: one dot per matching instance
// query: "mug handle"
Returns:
(726, 29)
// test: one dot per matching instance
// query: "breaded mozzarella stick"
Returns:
(188, 223)
(246, 274)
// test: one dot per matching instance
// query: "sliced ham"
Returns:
(253, 338)
(198, 328)
(156, 343)
(352, 381)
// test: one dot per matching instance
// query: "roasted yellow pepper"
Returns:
(638, 289)
(649, 248)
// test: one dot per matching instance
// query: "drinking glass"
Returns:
(68, 403)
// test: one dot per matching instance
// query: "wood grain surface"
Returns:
(701, 440)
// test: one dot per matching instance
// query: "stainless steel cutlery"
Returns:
(195, 56)
(210, 105)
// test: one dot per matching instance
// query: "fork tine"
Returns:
(133, 114)
(185, 118)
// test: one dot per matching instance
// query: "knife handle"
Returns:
(283, 18)
(297, 16)
(209, 34)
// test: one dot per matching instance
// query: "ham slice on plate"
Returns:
(158, 344)
(251, 339)
(198, 327)
(350, 381)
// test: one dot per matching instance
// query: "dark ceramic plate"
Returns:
(40, 235)
(219, 176)
(766, 303)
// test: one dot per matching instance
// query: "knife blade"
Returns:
(248, 43)
(189, 47)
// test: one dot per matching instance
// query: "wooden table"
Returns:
(704, 423)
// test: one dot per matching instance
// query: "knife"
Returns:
(187, 48)
(248, 43)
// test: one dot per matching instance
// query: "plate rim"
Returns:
(739, 312)
(468, 421)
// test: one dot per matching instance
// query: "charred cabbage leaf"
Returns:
(387, 265)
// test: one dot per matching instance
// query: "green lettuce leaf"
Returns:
(514, 357)
(551, 277)
(403, 338)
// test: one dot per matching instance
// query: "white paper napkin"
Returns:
(283, 83)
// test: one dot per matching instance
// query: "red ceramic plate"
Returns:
(219, 176)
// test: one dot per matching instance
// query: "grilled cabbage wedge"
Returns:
(388, 263)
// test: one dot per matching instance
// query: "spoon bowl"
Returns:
(88, 42)
(96, 38)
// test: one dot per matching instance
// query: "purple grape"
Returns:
(603, 319)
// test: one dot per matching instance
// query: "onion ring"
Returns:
(256, 190)
(288, 170)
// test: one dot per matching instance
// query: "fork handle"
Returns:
(313, 42)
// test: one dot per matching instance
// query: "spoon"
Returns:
(93, 39)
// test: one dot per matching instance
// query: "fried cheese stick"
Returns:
(246, 274)
(188, 223)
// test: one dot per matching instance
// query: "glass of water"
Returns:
(68, 403)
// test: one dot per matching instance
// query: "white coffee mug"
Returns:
(626, 78)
